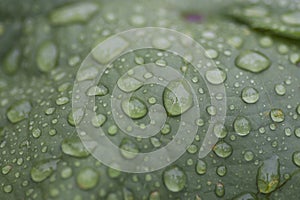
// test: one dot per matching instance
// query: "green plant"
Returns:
(257, 156)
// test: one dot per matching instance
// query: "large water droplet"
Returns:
(134, 108)
(87, 178)
(292, 18)
(280, 89)
(12, 61)
(18, 111)
(268, 176)
(174, 179)
(215, 76)
(73, 13)
(177, 97)
(277, 115)
(250, 95)
(222, 149)
(74, 147)
(47, 56)
(221, 170)
(252, 61)
(220, 130)
(43, 169)
(242, 126)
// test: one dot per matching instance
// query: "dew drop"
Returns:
(280, 89)
(296, 158)
(277, 115)
(43, 169)
(177, 97)
(201, 167)
(129, 84)
(134, 108)
(222, 149)
(242, 126)
(220, 130)
(250, 95)
(128, 149)
(47, 56)
(174, 179)
(98, 120)
(252, 61)
(87, 178)
(74, 147)
(220, 189)
(292, 18)
(18, 111)
(215, 76)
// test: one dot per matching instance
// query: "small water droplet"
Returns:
(47, 56)
(43, 169)
(250, 95)
(222, 149)
(177, 97)
(280, 89)
(242, 126)
(277, 115)
(73, 13)
(174, 179)
(36, 132)
(268, 176)
(74, 147)
(215, 76)
(248, 156)
(6, 169)
(62, 100)
(18, 111)
(134, 108)
(220, 130)
(100, 90)
(201, 167)
(220, 189)
(252, 61)
(221, 170)
(87, 178)
(128, 149)
(292, 18)
(66, 172)
(98, 120)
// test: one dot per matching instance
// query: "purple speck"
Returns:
(195, 18)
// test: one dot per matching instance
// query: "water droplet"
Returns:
(75, 117)
(134, 108)
(245, 196)
(128, 149)
(235, 41)
(155, 142)
(211, 53)
(112, 130)
(66, 172)
(192, 149)
(129, 84)
(137, 20)
(98, 120)
(220, 189)
(47, 56)
(250, 95)
(165, 129)
(87, 178)
(7, 188)
(277, 115)
(298, 109)
(161, 43)
(161, 63)
(73, 13)
(268, 175)
(100, 90)
(18, 111)
(215, 76)
(177, 97)
(221, 170)
(296, 158)
(154, 196)
(49, 111)
(139, 60)
(280, 89)
(248, 156)
(62, 101)
(220, 130)
(297, 132)
(6, 169)
(292, 18)
(74, 147)
(174, 179)
(43, 169)
(252, 61)
(211, 110)
(12, 62)
(256, 11)
(242, 126)
(109, 50)
(113, 173)
(222, 149)
(266, 42)
(36, 132)
(201, 167)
